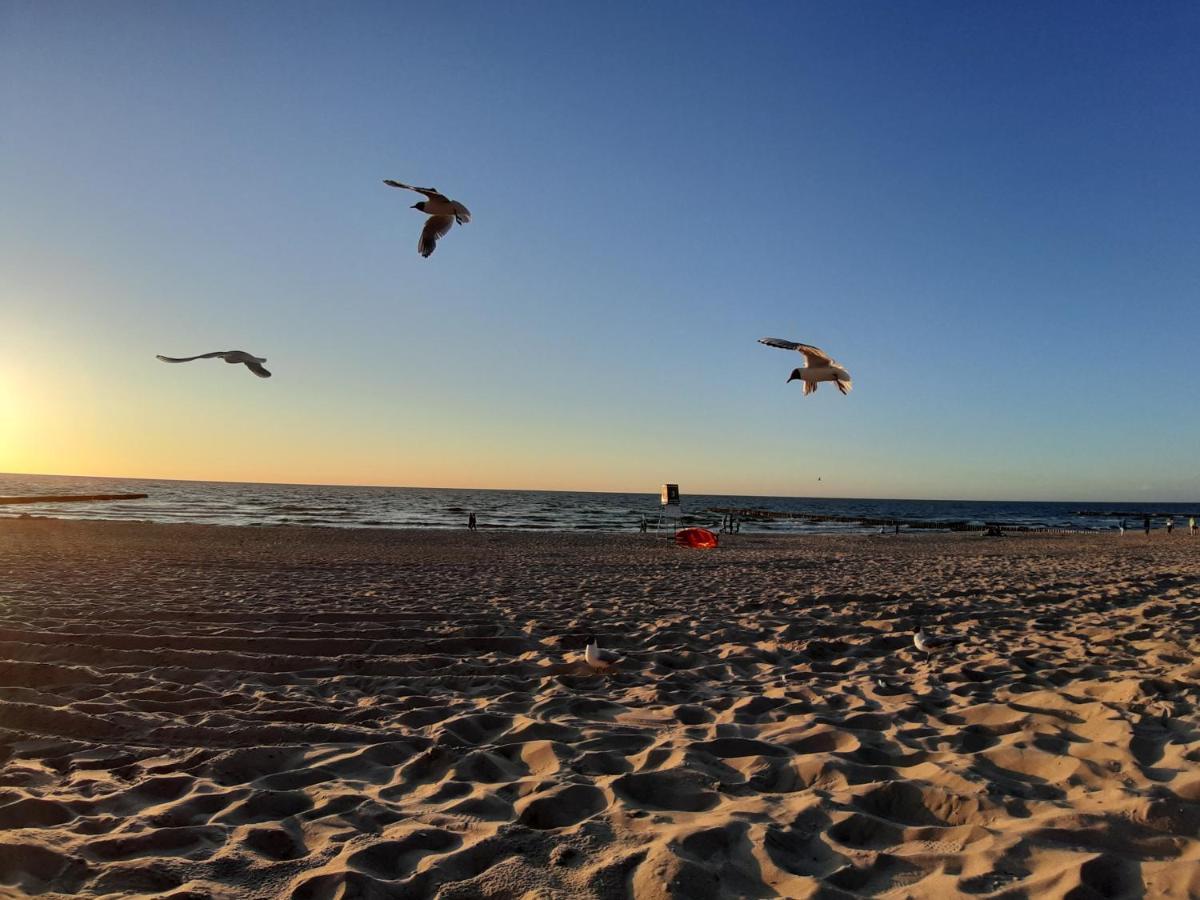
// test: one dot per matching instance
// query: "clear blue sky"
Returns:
(986, 211)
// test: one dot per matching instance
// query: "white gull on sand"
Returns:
(927, 643)
(600, 659)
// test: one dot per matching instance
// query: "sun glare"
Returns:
(15, 406)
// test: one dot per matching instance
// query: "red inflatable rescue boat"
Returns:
(700, 538)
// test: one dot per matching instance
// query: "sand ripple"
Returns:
(221, 712)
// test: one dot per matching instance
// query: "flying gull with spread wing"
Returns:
(442, 211)
(818, 366)
(253, 363)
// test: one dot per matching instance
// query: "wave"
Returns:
(351, 507)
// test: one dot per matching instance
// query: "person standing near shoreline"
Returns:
(1170, 524)
(471, 525)
(1146, 523)
(1191, 526)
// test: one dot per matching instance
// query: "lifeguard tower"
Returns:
(669, 507)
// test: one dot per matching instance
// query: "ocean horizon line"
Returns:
(649, 493)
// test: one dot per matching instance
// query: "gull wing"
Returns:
(257, 369)
(461, 212)
(780, 343)
(431, 193)
(813, 356)
(436, 227)
(190, 358)
(941, 640)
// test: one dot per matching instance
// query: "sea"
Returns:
(339, 506)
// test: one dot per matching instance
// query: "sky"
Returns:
(986, 212)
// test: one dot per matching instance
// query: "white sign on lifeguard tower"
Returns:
(669, 504)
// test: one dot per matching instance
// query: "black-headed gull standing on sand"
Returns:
(818, 366)
(927, 643)
(598, 659)
(442, 211)
(253, 363)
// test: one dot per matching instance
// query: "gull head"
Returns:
(420, 206)
(795, 376)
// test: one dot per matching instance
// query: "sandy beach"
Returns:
(201, 711)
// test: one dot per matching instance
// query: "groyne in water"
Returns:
(71, 498)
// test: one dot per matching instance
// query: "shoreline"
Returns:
(1020, 532)
(260, 505)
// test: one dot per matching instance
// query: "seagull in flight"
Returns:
(818, 366)
(598, 659)
(253, 363)
(442, 211)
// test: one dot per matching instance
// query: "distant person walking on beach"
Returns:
(1122, 526)
(471, 522)
(1170, 524)
(1191, 525)
(1146, 523)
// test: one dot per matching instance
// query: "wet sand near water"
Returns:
(203, 711)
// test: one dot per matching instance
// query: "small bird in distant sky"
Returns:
(442, 211)
(818, 366)
(253, 363)
(600, 659)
